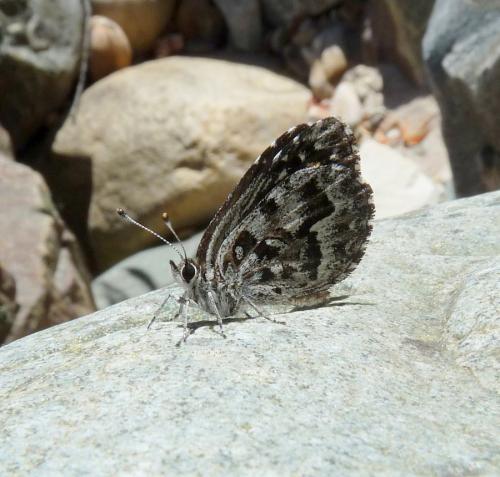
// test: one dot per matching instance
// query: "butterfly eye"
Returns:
(188, 272)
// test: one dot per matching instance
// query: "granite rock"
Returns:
(398, 378)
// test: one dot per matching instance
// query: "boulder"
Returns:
(400, 377)
(39, 253)
(463, 61)
(40, 49)
(179, 143)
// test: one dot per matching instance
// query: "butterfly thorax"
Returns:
(209, 294)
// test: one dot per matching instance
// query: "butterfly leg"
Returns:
(260, 313)
(184, 311)
(158, 310)
(217, 313)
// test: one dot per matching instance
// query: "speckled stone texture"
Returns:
(400, 378)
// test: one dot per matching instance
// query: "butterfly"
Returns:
(297, 223)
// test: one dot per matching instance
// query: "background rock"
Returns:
(201, 24)
(179, 142)
(285, 12)
(8, 304)
(110, 49)
(372, 387)
(6, 151)
(463, 60)
(39, 49)
(243, 19)
(142, 20)
(39, 253)
(398, 28)
(399, 185)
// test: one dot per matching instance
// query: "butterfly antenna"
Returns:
(124, 215)
(167, 222)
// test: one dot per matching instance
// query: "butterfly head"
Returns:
(185, 273)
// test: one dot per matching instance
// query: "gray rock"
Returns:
(402, 379)
(462, 56)
(40, 41)
(138, 274)
(244, 22)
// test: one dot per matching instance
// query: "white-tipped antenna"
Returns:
(167, 222)
(124, 214)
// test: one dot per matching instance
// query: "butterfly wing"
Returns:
(297, 222)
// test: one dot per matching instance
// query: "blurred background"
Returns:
(161, 105)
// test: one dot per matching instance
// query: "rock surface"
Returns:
(179, 143)
(402, 379)
(39, 253)
(462, 55)
(39, 48)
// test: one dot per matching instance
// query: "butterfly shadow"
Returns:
(332, 301)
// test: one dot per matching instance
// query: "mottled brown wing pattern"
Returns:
(297, 222)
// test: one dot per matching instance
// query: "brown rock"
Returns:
(141, 20)
(180, 142)
(109, 47)
(334, 62)
(326, 71)
(39, 253)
